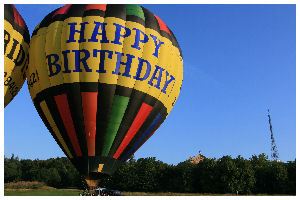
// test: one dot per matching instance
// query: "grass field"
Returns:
(75, 192)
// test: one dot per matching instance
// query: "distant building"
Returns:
(196, 159)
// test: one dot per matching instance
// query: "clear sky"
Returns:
(239, 60)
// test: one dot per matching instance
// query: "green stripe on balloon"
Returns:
(118, 110)
(135, 10)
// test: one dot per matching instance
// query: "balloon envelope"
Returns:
(16, 44)
(103, 78)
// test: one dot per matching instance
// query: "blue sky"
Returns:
(239, 60)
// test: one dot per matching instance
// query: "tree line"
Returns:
(256, 175)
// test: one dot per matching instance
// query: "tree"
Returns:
(12, 169)
(149, 172)
(171, 180)
(125, 177)
(278, 176)
(260, 165)
(227, 175)
(205, 179)
(52, 178)
(291, 169)
(245, 176)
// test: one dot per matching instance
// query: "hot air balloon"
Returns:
(16, 44)
(103, 78)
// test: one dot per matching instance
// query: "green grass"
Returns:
(42, 192)
(76, 192)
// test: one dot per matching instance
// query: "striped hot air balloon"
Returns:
(16, 44)
(103, 78)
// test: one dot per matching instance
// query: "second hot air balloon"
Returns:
(16, 44)
(103, 78)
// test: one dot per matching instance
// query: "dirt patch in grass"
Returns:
(26, 185)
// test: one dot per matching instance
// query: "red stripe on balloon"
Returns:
(63, 10)
(134, 128)
(162, 25)
(96, 7)
(65, 114)
(89, 105)
(17, 18)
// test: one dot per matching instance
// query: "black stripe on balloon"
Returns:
(94, 12)
(58, 121)
(169, 37)
(76, 10)
(9, 16)
(132, 109)
(99, 87)
(9, 13)
(150, 20)
(81, 164)
(44, 119)
(88, 86)
(157, 109)
(116, 10)
(123, 91)
(175, 42)
(75, 104)
(136, 19)
(105, 99)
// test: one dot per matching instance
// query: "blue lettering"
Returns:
(102, 58)
(96, 32)
(157, 43)
(127, 64)
(79, 60)
(73, 31)
(138, 38)
(158, 70)
(66, 61)
(118, 35)
(53, 63)
(139, 70)
(167, 83)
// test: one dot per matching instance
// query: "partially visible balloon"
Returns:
(103, 78)
(16, 44)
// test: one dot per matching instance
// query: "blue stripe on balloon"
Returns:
(143, 137)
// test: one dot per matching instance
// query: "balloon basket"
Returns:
(92, 183)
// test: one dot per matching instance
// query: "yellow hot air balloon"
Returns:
(16, 44)
(103, 78)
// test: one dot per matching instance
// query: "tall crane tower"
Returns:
(274, 151)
